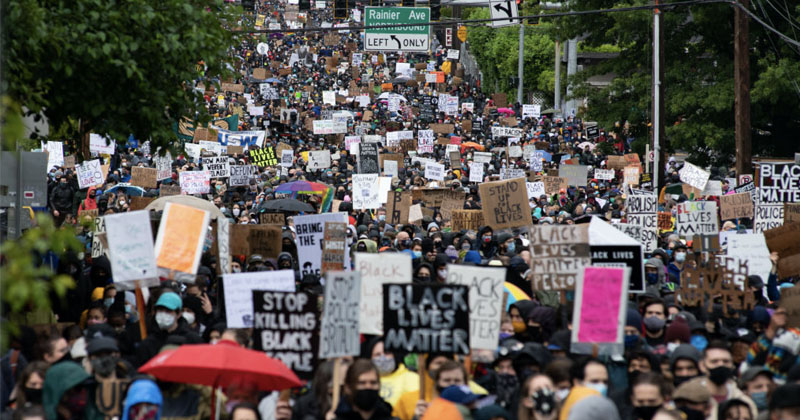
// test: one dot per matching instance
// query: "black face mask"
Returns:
(719, 375)
(544, 401)
(645, 412)
(692, 414)
(678, 380)
(366, 399)
(632, 375)
(33, 395)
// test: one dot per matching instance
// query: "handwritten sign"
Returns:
(723, 278)
(505, 203)
(467, 220)
(310, 231)
(89, 174)
(575, 174)
(239, 293)
(217, 166)
(240, 175)
(600, 309)
(195, 182)
(163, 166)
(733, 206)
(558, 255)
(694, 176)
(264, 240)
(642, 212)
(554, 184)
(285, 327)
(130, 248)
(180, 240)
(604, 174)
(485, 301)
(697, 218)
(365, 191)
(375, 271)
(339, 332)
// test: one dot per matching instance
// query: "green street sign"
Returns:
(404, 38)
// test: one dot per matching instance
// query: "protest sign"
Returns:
(665, 221)
(310, 232)
(767, 216)
(366, 192)
(511, 173)
(425, 140)
(697, 218)
(368, 161)
(783, 240)
(179, 245)
(641, 211)
(604, 174)
(130, 249)
(397, 207)
(375, 271)
(102, 145)
(55, 154)
(791, 213)
(531, 111)
(390, 168)
(334, 246)
(505, 203)
(285, 327)
(616, 162)
(264, 240)
(779, 183)
(498, 132)
(217, 166)
(329, 126)
(415, 213)
(535, 190)
(751, 247)
(163, 166)
(574, 174)
(239, 289)
(621, 256)
(485, 301)
(475, 172)
(694, 176)
(734, 206)
(240, 175)
(600, 310)
(339, 332)
(287, 158)
(558, 254)
(262, 157)
(722, 280)
(426, 318)
(554, 184)
(790, 301)
(89, 174)
(166, 190)
(434, 171)
(631, 175)
(139, 203)
(195, 182)
(467, 219)
(319, 159)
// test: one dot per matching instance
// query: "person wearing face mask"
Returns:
(143, 401)
(654, 273)
(693, 399)
(655, 322)
(519, 312)
(589, 378)
(395, 378)
(486, 245)
(717, 365)
(684, 364)
(96, 314)
(538, 399)
(362, 395)
(29, 386)
(679, 255)
(168, 322)
(649, 393)
(68, 393)
(757, 382)
(423, 274)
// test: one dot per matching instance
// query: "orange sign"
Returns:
(462, 33)
(181, 235)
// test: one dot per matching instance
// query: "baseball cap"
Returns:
(102, 344)
(751, 374)
(459, 394)
(694, 390)
(170, 301)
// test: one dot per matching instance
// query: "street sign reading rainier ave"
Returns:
(403, 38)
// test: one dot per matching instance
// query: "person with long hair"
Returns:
(362, 399)
(538, 399)
(29, 385)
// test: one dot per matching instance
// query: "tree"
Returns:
(117, 67)
(699, 94)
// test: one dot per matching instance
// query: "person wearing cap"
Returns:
(684, 363)
(168, 322)
(104, 359)
(785, 402)
(455, 402)
(679, 255)
(693, 398)
(757, 383)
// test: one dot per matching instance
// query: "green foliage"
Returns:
(26, 282)
(497, 50)
(118, 67)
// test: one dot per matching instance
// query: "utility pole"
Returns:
(572, 68)
(520, 60)
(658, 100)
(741, 82)
(557, 93)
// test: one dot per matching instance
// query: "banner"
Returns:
(339, 335)
(240, 138)
(426, 318)
(505, 203)
(239, 289)
(375, 271)
(180, 240)
(600, 310)
(195, 182)
(130, 249)
(285, 328)
(486, 286)
(310, 232)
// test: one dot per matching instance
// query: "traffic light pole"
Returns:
(520, 61)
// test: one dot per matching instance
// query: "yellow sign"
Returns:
(446, 67)
(462, 33)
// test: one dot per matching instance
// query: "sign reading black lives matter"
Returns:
(368, 160)
(286, 328)
(339, 333)
(426, 318)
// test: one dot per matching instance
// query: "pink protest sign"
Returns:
(601, 300)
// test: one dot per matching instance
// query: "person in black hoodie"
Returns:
(169, 323)
(362, 400)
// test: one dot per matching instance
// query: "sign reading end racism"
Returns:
(423, 318)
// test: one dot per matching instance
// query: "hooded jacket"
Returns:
(659, 265)
(61, 197)
(142, 391)
(90, 203)
(60, 378)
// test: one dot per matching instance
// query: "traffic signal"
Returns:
(408, 3)
(305, 5)
(436, 6)
(340, 9)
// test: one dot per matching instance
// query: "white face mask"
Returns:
(122, 203)
(189, 317)
(164, 320)
(442, 273)
(236, 212)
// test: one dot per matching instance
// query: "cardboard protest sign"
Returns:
(694, 176)
(500, 100)
(790, 301)
(139, 203)
(665, 221)
(109, 396)
(310, 231)
(262, 157)
(791, 213)
(272, 219)
(69, 162)
(723, 278)
(616, 162)
(631, 175)
(558, 255)
(467, 220)
(334, 246)
(486, 287)
(240, 175)
(180, 240)
(554, 184)
(368, 161)
(426, 318)
(642, 211)
(217, 166)
(397, 207)
(783, 240)
(264, 240)
(130, 249)
(375, 271)
(442, 128)
(733, 206)
(239, 289)
(366, 192)
(285, 327)
(697, 218)
(90, 174)
(600, 310)
(505, 203)
(575, 174)
(195, 182)
(166, 190)
(339, 335)
(233, 87)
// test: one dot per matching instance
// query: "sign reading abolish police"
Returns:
(426, 318)
(401, 38)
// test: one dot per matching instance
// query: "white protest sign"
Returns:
(217, 166)
(90, 173)
(239, 293)
(101, 145)
(319, 159)
(195, 182)
(329, 127)
(130, 248)
(434, 171)
(384, 185)
(642, 211)
(482, 157)
(375, 270)
(329, 97)
(467, 107)
(694, 176)
(753, 248)
(453, 54)
(697, 218)
(365, 192)
(310, 231)
(240, 175)
(531, 111)
(390, 167)
(350, 140)
(163, 166)
(535, 189)
(287, 158)
(338, 336)
(55, 154)
(485, 301)
(604, 174)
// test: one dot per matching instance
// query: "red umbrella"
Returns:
(221, 365)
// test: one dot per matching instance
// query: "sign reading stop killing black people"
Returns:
(426, 318)
(286, 328)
